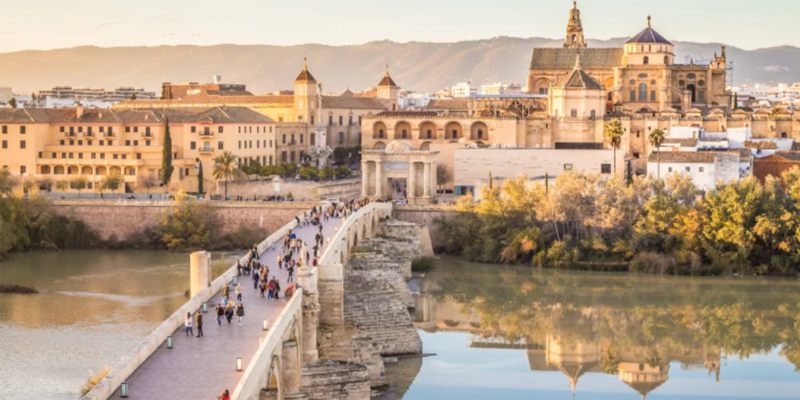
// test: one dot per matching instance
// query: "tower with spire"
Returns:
(575, 38)
(387, 91)
(305, 94)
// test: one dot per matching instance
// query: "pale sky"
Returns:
(49, 24)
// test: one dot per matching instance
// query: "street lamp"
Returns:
(205, 307)
(265, 324)
(238, 363)
(169, 341)
(123, 390)
(235, 280)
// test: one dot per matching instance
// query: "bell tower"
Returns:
(575, 39)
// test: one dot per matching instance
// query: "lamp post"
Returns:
(169, 341)
(265, 324)
(123, 390)
(238, 363)
(235, 280)
(205, 307)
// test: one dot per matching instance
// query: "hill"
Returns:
(418, 66)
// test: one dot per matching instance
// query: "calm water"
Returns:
(96, 307)
(522, 333)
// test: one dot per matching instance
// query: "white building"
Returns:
(501, 88)
(96, 94)
(407, 99)
(705, 168)
(463, 89)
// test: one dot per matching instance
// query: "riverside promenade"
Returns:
(201, 368)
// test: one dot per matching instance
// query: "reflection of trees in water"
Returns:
(740, 317)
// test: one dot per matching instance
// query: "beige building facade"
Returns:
(61, 144)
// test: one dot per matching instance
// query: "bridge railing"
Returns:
(338, 244)
(255, 376)
(136, 357)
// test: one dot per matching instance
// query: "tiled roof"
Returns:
(346, 93)
(581, 80)
(211, 100)
(564, 59)
(229, 92)
(789, 155)
(132, 116)
(387, 81)
(685, 157)
(360, 103)
(305, 76)
(648, 35)
(682, 142)
(449, 104)
(406, 114)
(760, 144)
(744, 154)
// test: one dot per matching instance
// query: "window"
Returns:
(637, 134)
(646, 60)
(701, 83)
(270, 143)
(701, 96)
(633, 82)
(127, 129)
(110, 143)
(60, 129)
(138, 156)
(633, 95)
(63, 155)
(102, 156)
(61, 142)
(220, 146)
(5, 144)
(573, 114)
(283, 156)
(567, 167)
(80, 129)
(666, 60)
(312, 123)
(22, 128)
(101, 129)
(543, 90)
(135, 129)
(22, 169)
(783, 135)
(80, 142)
(147, 131)
(193, 145)
(194, 129)
(341, 137)
(80, 155)
(115, 156)
(94, 155)
(330, 120)
(688, 169)
(88, 142)
(380, 133)
(350, 121)
(70, 155)
(135, 142)
(71, 130)
(405, 133)
(219, 129)
(22, 144)
(429, 134)
(592, 114)
(284, 138)
(652, 95)
(701, 169)
(642, 92)
(127, 143)
(669, 169)
(71, 142)
(301, 138)
(605, 168)
(5, 129)
(206, 130)
(691, 76)
(41, 154)
(359, 120)
(240, 144)
(340, 120)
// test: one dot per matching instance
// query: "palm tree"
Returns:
(656, 139)
(613, 132)
(225, 168)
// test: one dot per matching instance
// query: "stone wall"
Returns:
(123, 218)
(423, 215)
(335, 380)
(301, 190)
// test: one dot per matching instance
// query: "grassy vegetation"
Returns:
(422, 264)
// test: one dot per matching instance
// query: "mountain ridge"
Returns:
(420, 66)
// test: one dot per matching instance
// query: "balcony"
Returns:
(70, 134)
(206, 150)
(206, 134)
(148, 135)
(88, 134)
(109, 134)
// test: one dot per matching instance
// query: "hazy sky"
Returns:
(48, 24)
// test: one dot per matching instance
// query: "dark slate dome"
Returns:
(648, 35)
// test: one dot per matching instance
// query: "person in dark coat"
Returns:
(240, 313)
(220, 313)
(199, 320)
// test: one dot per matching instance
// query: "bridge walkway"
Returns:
(201, 368)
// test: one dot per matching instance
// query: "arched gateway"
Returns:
(399, 172)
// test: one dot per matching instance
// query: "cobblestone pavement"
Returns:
(201, 368)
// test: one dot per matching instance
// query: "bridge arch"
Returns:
(274, 376)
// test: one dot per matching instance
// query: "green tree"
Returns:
(166, 156)
(656, 138)
(62, 185)
(443, 175)
(184, 226)
(251, 168)
(343, 171)
(613, 132)
(13, 103)
(112, 181)
(200, 177)
(309, 172)
(30, 187)
(225, 168)
(340, 153)
(79, 183)
(327, 172)
(268, 170)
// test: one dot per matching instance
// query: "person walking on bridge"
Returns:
(188, 323)
(199, 320)
(225, 395)
(220, 312)
(240, 313)
(239, 292)
(229, 312)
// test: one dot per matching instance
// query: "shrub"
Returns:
(94, 379)
(422, 264)
(653, 263)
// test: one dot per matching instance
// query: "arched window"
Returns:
(681, 83)
(642, 92)
(380, 133)
(632, 82)
(480, 133)
(405, 134)
(646, 60)
(610, 96)
(574, 113)
(783, 135)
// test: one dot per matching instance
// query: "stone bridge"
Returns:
(326, 342)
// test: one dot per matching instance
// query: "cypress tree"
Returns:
(166, 156)
(200, 177)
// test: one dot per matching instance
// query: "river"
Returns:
(96, 306)
(503, 332)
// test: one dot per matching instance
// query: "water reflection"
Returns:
(639, 330)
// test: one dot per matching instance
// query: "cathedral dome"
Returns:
(648, 36)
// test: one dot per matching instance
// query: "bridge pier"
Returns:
(199, 272)
(290, 368)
